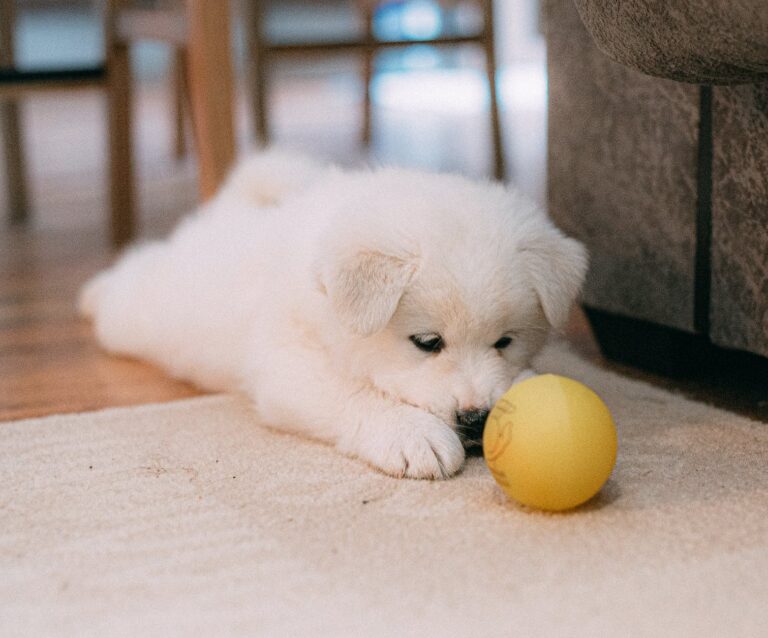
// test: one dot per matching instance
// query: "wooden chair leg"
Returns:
(12, 140)
(10, 129)
(490, 68)
(180, 94)
(368, 60)
(121, 178)
(253, 22)
(211, 91)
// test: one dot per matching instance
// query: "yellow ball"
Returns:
(550, 442)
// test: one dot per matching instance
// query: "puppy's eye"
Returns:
(428, 342)
(503, 343)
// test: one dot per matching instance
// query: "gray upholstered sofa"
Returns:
(658, 160)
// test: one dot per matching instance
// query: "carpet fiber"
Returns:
(188, 519)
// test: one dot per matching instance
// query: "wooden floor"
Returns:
(49, 362)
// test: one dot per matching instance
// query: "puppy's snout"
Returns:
(470, 426)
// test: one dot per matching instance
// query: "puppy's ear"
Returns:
(556, 266)
(365, 288)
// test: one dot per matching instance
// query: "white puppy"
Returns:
(381, 311)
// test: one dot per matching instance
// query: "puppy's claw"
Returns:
(441, 465)
(405, 466)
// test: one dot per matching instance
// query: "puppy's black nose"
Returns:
(472, 418)
(471, 424)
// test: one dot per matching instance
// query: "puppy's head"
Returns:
(444, 290)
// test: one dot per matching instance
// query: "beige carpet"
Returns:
(186, 519)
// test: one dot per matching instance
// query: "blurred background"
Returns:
(429, 105)
(70, 196)
(661, 175)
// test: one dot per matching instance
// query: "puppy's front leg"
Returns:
(400, 439)
(301, 393)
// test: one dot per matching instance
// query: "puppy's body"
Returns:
(383, 312)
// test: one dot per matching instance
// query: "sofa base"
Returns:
(677, 354)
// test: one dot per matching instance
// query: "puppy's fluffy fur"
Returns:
(382, 311)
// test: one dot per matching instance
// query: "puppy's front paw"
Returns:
(407, 442)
